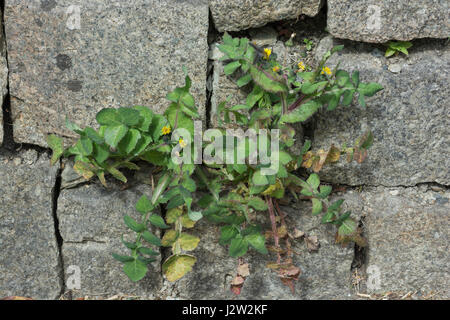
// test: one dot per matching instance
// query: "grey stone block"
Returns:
(380, 21)
(29, 258)
(74, 57)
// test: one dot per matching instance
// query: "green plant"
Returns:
(230, 193)
(394, 47)
(309, 44)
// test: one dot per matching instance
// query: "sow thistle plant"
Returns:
(223, 192)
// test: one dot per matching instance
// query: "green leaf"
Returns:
(369, 89)
(257, 204)
(256, 240)
(129, 142)
(355, 78)
(258, 179)
(144, 205)
(148, 251)
(108, 117)
(194, 215)
(314, 181)
(317, 206)
(155, 157)
(56, 144)
(122, 258)
(84, 145)
(348, 227)
(231, 67)
(238, 247)
(301, 113)
(227, 233)
(268, 81)
(129, 116)
(324, 191)
(146, 117)
(244, 80)
(254, 96)
(157, 221)
(114, 134)
(151, 238)
(117, 174)
(133, 225)
(176, 266)
(135, 270)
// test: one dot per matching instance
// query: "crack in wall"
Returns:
(59, 240)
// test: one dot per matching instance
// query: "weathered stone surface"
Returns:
(325, 274)
(3, 79)
(408, 234)
(409, 118)
(74, 57)
(91, 225)
(380, 21)
(29, 258)
(235, 15)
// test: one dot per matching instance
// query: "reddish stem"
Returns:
(274, 227)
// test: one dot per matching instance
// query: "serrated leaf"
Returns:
(313, 181)
(348, 227)
(231, 67)
(135, 270)
(257, 204)
(146, 117)
(244, 80)
(128, 116)
(226, 234)
(122, 258)
(257, 241)
(173, 214)
(117, 174)
(108, 117)
(302, 113)
(268, 81)
(132, 224)
(56, 144)
(317, 206)
(187, 222)
(129, 142)
(144, 205)
(157, 221)
(238, 247)
(148, 251)
(188, 242)
(258, 179)
(169, 238)
(151, 238)
(113, 134)
(177, 266)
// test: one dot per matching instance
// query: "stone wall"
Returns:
(65, 58)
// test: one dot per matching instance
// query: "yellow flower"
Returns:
(182, 143)
(301, 66)
(276, 69)
(326, 70)
(267, 53)
(165, 130)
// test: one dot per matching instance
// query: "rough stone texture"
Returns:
(3, 79)
(29, 258)
(409, 118)
(121, 54)
(380, 21)
(235, 15)
(325, 274)
(408, 234)
(91, 225)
